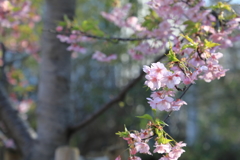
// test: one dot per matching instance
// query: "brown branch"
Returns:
(108, 105)
(3, 74)
(114, 39)
(22, 134)
(111, 39)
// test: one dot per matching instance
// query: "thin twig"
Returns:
(112, 39)
(169, 114)
(108, 105)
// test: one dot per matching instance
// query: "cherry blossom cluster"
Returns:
(118, 16)
(101, 57)
(195, 64)
(194, 55)
(138, 142)
(17, 19)
(13, 16)
(10, 17)
(73, 39)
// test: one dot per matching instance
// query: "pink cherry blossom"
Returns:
(171, 80)
(59, 28)
(161, 104)
(118, 15)
(134, 158)
(77, 48)
(162, 148)
(24, 106)
(162, 94)
(153, 81)
(142, 147)
(144, 134)
(136, 138)
(165, 158)
(177, 150)
(176, 105)
(103, 57)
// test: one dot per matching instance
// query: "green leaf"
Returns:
(151, 20)
(165, 140)
(189, 39)
(224, 6)
(146, 116)
(123, 134)
(171, 55)
(159, 133)
(67, 20)
(62, 23)
(159, 122)
(209, 44)
(191, 27)
(91, 26)
(188, 46)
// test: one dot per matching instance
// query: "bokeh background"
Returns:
(209, 124)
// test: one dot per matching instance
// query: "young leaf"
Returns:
(146, 116)
(123, 134)
(189, 46)
(159, 122)
(189, 39)
(172, 56)
(209, 44)
(165, 140)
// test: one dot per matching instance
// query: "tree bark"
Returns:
(18, 129)
(53, 111)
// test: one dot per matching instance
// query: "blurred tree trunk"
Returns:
(53, 112)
